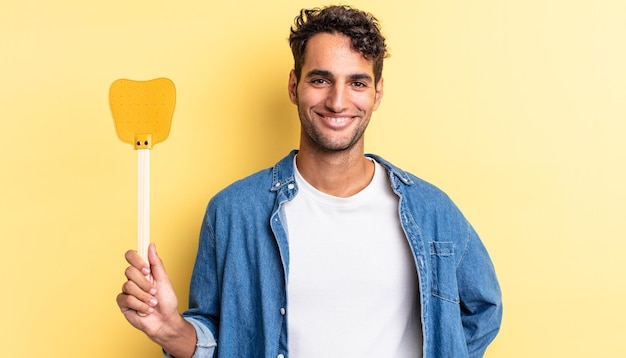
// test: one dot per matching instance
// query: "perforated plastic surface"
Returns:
(142, 110)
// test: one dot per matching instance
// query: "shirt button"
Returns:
(277, 185)
(282, 311)
(291, 186)
(280, 356)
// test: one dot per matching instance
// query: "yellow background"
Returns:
(514, 108)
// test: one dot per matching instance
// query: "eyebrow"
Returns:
(328, 74)
(321, 73)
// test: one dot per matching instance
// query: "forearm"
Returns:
(178, 339)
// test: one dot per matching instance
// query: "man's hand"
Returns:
(149, 304)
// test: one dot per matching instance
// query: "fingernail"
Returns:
(145, 271)
(153, 291)
(153, 302)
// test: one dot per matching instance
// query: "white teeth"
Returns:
(339, 120)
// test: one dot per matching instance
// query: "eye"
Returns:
(360, 85)
(318, 81)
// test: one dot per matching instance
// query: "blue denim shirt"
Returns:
(238, 295)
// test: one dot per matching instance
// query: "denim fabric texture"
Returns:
(238, 298)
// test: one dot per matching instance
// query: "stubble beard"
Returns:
(323, 143)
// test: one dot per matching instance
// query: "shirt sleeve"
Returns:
(205, 345)
(481, 298)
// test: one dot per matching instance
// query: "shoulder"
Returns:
(243, 191)
(256, 190)
(419, 194)
(408, 182)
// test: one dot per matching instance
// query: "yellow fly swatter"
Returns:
(142, 111)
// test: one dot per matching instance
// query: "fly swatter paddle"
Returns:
(142, 111)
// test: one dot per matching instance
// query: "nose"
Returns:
(337, 96)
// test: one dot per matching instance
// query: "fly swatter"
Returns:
(142, 111)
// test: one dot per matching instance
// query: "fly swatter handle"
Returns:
(143, 202)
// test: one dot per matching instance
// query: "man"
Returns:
(330, 252)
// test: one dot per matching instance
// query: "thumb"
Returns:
(157, 269)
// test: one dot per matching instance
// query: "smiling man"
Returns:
(336, 94)
(331, 252)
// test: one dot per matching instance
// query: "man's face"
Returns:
(336, 94)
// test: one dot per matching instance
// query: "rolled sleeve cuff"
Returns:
(205, 344)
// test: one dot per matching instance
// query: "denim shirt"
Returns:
(238, 294)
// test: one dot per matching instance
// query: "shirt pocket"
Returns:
(444, 284)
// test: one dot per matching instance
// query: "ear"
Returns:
(292, 87)
(378, 96)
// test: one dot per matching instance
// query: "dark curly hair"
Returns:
(361, 27)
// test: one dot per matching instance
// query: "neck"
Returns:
(340, 174)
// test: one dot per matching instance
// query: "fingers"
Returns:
(133, 258)
(130, 304)
(155, 264)
(147, 289)
(144, 291)
(138, 292)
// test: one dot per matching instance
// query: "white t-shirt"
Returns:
(352, 286)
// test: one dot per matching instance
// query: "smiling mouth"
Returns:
(335, 120)
(338, 120)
